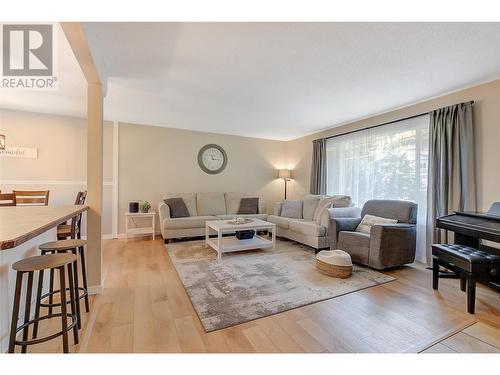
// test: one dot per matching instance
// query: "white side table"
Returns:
(140, 230)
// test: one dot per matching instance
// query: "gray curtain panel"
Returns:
(318, 168)
(451, 180)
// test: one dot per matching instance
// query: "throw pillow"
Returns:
(177, 207)
(292, 209)
(369, 220)
(309, 205)
(249, 206)
(324, 203)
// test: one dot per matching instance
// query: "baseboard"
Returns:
(104, 237)
(97, 289)
(120, 235)
(123, 235)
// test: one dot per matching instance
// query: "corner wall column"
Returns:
(94, 184)
(114, 206)
(76, 37)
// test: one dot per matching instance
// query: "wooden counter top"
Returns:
(21, 223)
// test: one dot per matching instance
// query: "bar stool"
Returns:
(76, 246)
(41, 263)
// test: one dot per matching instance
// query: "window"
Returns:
(386, 162)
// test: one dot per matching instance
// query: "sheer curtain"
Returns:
(386, 162)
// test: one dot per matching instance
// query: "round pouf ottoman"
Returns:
(335, 263)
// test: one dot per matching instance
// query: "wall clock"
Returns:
(212, 159)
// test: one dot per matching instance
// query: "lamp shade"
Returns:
(284, 173)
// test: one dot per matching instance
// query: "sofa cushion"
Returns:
(369, 220)
(233, 202)
(309, 228)
(177, 207)
(249, 206)
(309, 205)
(252, 216)
(188, 198)
(187, 222)
(356, 244)
(280, 221)
(292, 209)
(210, 204)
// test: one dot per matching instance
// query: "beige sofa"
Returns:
(202, 207)
(312, 227)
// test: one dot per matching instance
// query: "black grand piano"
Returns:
(470, 258)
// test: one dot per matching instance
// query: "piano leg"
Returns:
(435, 273)
(463, 283)
(471, 294)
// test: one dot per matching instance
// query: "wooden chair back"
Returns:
(7, 199)
(32, 197)
(76, 222)
(80, 198)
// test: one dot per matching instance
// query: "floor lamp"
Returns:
(286, 175)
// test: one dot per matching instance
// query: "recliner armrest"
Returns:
(392, 244)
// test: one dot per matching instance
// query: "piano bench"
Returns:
(468, 263)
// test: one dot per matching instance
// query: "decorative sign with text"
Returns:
(20, 152)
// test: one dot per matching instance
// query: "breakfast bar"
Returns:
(22, 230)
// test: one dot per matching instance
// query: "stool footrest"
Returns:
(82, 295)
(46, 338)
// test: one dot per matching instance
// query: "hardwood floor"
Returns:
(144, 308)
(478, 338)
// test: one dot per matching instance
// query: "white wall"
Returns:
(155, 160)
(151, 161)
(61, 166)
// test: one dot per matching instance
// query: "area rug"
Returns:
(247, 285)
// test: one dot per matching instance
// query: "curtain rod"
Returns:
(387, 123)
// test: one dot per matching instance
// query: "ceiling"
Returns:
(272, 80)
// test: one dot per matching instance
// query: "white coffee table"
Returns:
(231, 243)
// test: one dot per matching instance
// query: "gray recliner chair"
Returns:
(387, 245)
